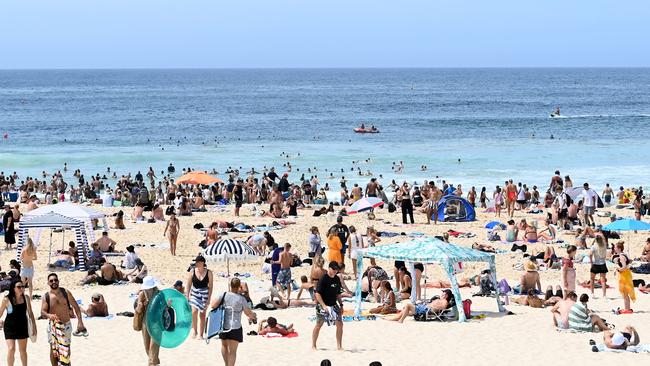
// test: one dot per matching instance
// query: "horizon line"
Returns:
(319, 68)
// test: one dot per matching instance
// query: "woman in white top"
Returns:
(355, 242)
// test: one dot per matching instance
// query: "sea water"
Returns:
(471, 126)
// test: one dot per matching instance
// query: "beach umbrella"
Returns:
(198, 178)
(229, 249)
(627, 225)
(365, 204)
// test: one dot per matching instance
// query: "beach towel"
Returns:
(579, 319)
(59, 336)
(278, 335)
(107, 317)
(387, 234)
(641, 348)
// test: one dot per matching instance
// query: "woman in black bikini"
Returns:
(406, 283)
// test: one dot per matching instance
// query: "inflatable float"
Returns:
(169, 318)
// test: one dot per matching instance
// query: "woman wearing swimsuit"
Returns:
(407, 281)
(211, 236)
(171, 231)
(498, 201)
(317, 270)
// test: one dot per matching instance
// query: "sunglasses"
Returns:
(53, 280)
(20, 286)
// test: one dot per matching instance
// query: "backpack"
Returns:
(63, 292)
(391, 207)
(504, 287)
(493, 236)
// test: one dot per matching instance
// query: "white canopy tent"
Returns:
(73, 211)
(54, 221)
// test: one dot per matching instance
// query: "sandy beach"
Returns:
(497, 338)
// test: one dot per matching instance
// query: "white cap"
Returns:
(618, 339)
(149, 282)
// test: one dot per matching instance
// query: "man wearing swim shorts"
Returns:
(284, 276)
(56, 307)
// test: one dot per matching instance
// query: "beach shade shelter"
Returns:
(229, 249)
(428, 251)
(627, 225)
(54, 221)
(365, 204)
(73, 211)
(454, 208)
(198, 178)
(576, 194)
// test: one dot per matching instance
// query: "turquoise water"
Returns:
(132, 119)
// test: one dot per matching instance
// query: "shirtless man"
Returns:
(105, 243)
(511, 197)
(172, 229)
(276, 198)
(562, 309)
(31, 205)
(556, 181)
(56, 308)
(284, 276)
(371, 188)
(109, 274)
(97, 308)
(356, 192)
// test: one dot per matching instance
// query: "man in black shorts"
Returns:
(329, 306)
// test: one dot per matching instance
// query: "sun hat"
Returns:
(530, 266)
(149, 282)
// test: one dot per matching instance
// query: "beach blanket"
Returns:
(278, 335)
(641, 348)
(458, 234)
(108, 317)
(387, 234)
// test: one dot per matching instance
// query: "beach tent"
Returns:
(54, 221)
(427, 251)
(576, 194)
(73, 211)
(454, 208)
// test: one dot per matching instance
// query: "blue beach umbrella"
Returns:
(365, 204)
(627, 225)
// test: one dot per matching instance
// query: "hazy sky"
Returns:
(322, 33)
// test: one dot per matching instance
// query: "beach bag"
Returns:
(31, 327)
(493, 236)
(391, 207)
(214, 325)
(467, 308)
(138, 316)
(487, 287)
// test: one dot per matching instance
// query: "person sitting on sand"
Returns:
(138, 212)
(108, 274)
(95, 255)
(306, 286)
(582, 319)
(511, 231)
(645, 253)
(63, 260)
(443, 302)
(530, 279)
(621, 340)
(561, 310)
(97, 307)
(119, 220)
(138, 273)
(406, 281)
(388, 304)
(106, 244)
(270, 325)
(157, 213)
(530, 233)
(375, 275)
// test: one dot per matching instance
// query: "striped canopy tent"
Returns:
(54, 221)
(229, 249)
(428, 251)
(73, 211)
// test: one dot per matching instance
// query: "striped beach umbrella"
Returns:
(229, 249)
(365, 204)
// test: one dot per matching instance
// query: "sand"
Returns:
(528, 336)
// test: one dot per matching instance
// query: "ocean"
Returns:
(496, 121)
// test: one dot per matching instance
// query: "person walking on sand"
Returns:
(511, 198)
(198, 292)
(171, 231)
(329, 306)
(56, 307)
(148, 291)
(589, 204)
(16, 324)
(27, 258)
